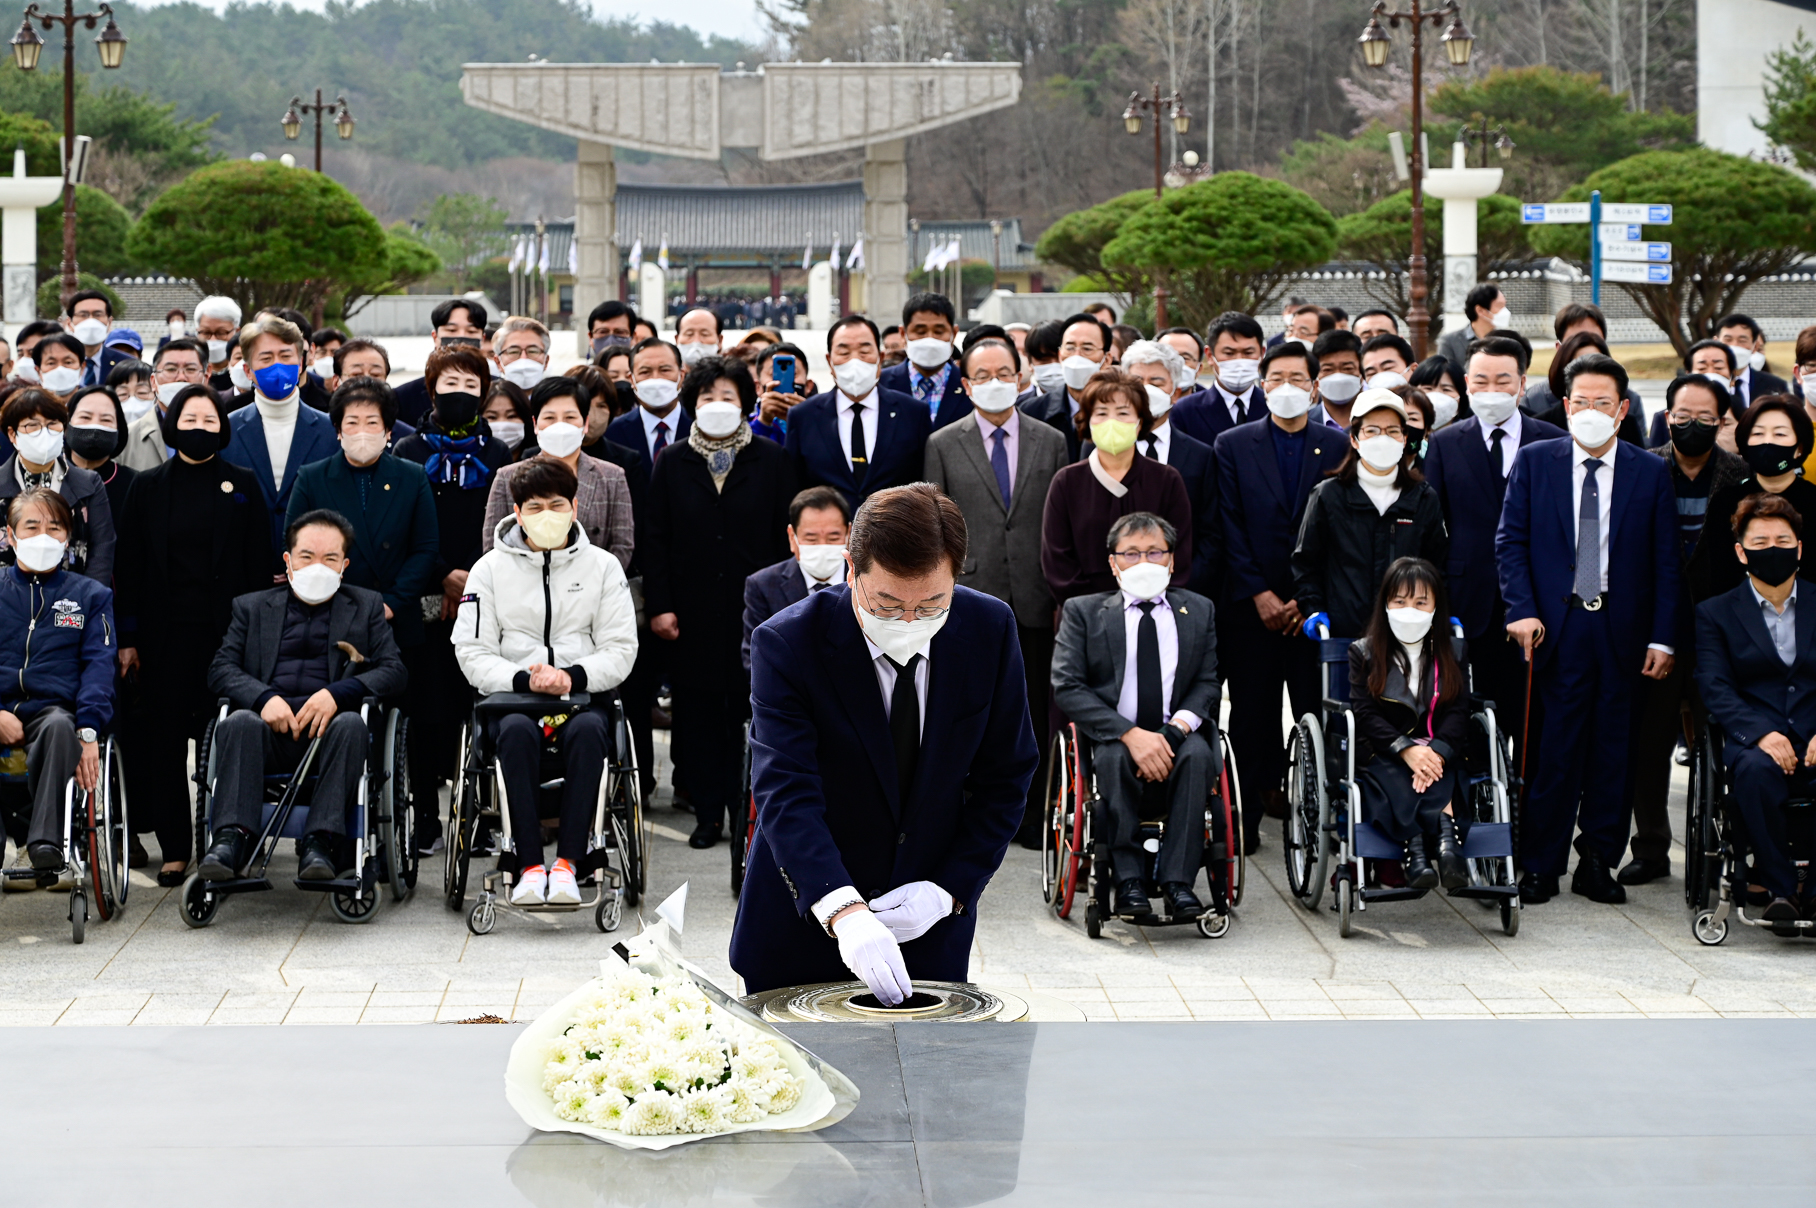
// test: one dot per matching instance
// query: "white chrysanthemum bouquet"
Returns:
(652, 1056)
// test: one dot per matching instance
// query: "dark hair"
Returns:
(1414, 398)
(552, 388)
(1350, 468)
(119, 410)
(1479, 299)
(971, 346)
(349, 347)
(1069, 321)
(1790, 407)
(167, 423)
(1386, 314)
(1604, 367)
(818, 498)
(1438, 371)
(1285, 350)
(932, 304)
(459, 357)
(52, 501)
(1805, 348)
(769, 352)
(1513, 337)
(322, 336)
(1724, 402)
(1043, 340)
(543, 477)
(443, 312)
(1739, 320)
(1727, 351)
(1326, 320)
(89, 295)
(985, 331)
(363, 390)
(1141, 522)
(1338, 313)
(1437, 649)
(1183, 331)
(26, 403)
(513, 394)
(907, 530)
(298, 320)
(1106, 384)
(1765, 506)
(1333, 341)
(712, 369)
(708, 311)
(40, 328)
(608, 310)
(844, 321)
(1103, 306)
(1235, 323)
(124, 372)
(658, 342)
(186, 344)
(320, 518)
(60, 339)
(1124, 333)
(1568, 352)
(1572, 313)
(893, 329)
(1387, 339)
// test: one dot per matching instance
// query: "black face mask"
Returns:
(1695, 438)
(601, 343)
(197, 444)
(93, 444)
(1772, 565)
(1769, 461)
(627, 398)
(456, 409)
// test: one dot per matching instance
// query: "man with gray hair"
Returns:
(217, 325)
(1167, 377)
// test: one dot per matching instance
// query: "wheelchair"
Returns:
(1324, 808)
(379, 826)
(477, 822)
(1716, 847)
(743, 830)
(96, 835)
(1076, 850)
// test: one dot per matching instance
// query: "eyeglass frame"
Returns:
(920, 614)
(1122, 556)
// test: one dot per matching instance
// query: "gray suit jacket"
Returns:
(144, 443)
(1453, 346)
(247, 659)
(1003, 558)
(1091, 652)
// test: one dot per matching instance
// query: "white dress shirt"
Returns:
(1604, 481)
(1162, 436)
(867, 417)
(1166, 627)
(1510, 444)
(1231, 402)
(651, 419)
(813, 582)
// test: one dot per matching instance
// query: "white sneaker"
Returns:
(530, 887)
(564, 890)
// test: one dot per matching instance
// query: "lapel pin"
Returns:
(226, 488)
(387, 486)
(1315, 452)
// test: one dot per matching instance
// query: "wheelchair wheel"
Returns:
(609, 913)
(117, 825)
(1230, 790)
(1308, 814)
(1346, 905)
(199, 904)
(93, 838)
(1214, 926)
(1707, 929)
(78, 914)
(356, 907)
(462, 822)
(1510, 916)
(1071, 836)
(741, 834)
(204, 786)
(1702, 837)
(396, 810)
(626, 820)
(1052, 820)
(1093, 920)
(483, 917)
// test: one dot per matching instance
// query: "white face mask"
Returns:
(41, 554)
(822, 562)
(168, 391)
(240, 378)
(62, 379)
(1382, 453)
(1340, 387)
(693, 354)
(26, 370)
(1591, 428)
(994, 397)
(525, 372)
(929, 353)
(510, 431)
(1387, 379)
(1077, 371)
(1238, 373)
(1047, 378)
(1493, 407)
(1145, 580)
(322, 367)
(314, 583)
(561, 440)
(718, 420)
(41, 447)
(217, 351)
(856, 378)
(89, 331)
(1288, 402)
(363, 448)
(176, 329)
(135, 407)
(654, 393)
(1444, 408)
(900, 639)
(1410, 625)
(1159, 401)
(1502, 318)
(1756, 361)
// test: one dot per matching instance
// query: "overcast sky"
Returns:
(732, 18)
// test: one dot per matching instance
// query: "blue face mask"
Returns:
(278, 380)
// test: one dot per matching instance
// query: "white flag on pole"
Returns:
(573, 255)
(516, 254)
(833, 258)
(636, 259)
(807, 254)
(855, 261)
(542, 263)
(662, 254)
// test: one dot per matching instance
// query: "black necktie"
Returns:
(1148, 705)
(1494, 454)
(905, 724)
(859, 461)
(1151, 442)
(661, 439)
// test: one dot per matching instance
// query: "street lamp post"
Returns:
(27, 45)
(1457, 42)
(996, 253)
(1487, 137)
(1157, 106)
(293, 120)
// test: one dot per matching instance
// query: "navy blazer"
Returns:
(311, 441)
(1054, 410)
(768, 592)
(1196, 464)
(1259, 517)
(1471, 493)
(828, 808)
(898, 458)
(1536, 546)
(955, 404)
(413, 401)
(1205, 416)
(627, 430)
(1744, 684)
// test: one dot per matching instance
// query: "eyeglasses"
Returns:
(1301, 380)
(1608, 405)
(1129, 557)
(1001, 375)
(897, 613)
(1372, 430)
(507, 355)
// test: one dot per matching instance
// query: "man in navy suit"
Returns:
(1084, 348)
(931, 373)
(1589, 569)
(1236, 396)
(819, 521)
(1467, 464)
(891, 751)
(275, 436)
(659, 420)
(1264, 474)
(90, 320)
(857, 437)
(1756, 670)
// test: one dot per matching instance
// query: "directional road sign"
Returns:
(1619, 232)
(1636, 273)
(1578, 211)
(1659, 253)
(1564, 211)
(1651, 215)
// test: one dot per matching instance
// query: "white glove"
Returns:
(911, 910)
(869, 951)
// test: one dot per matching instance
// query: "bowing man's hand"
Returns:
(871, 952)
(911, 910)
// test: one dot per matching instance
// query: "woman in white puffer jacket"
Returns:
(547, 612)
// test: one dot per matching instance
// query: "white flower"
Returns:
(741, 1107)
(785, 1093)
(565, 1057)
(653, 1115)
(704, 1111)
(607, 1110)
(571, 1100)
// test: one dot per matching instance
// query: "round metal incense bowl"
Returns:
(852, 1002)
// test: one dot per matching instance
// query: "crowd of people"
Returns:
(253, 513)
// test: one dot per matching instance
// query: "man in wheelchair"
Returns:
(546, 611)
(295, 666)
(1136, 671)
(1756, 671)
(57, 653)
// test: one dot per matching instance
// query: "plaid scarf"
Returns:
(456, 459)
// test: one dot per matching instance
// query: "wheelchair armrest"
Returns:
(500, 703)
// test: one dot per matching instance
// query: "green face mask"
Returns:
(1114, 436)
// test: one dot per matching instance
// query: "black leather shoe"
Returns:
(1419, 872)
(1639, 871)
(1780, 911)
(136, 855)
(1131, 900)
(704, 836)
(227, 856)
(315, 857)
(173, 878)
(1593, 881)
(1181, 900)
(1536, 887)
(45, 857)
(1453, 869)
(1273, 804)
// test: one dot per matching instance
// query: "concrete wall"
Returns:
(1733, 39)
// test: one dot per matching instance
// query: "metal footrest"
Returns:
(1486, 891)
(238, 885)
(338, 885)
